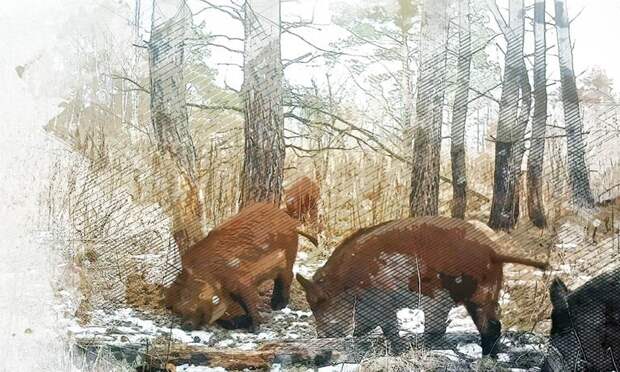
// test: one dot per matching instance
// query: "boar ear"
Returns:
(314, 292)
(558, 292)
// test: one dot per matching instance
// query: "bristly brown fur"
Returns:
(256, 245)
(301, 200)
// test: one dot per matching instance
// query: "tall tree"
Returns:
(404, 21)
(459, 113)
(262, 98)
(579, 178)
(539, 122)
(169, 24)
(424, 197)
(510, 127)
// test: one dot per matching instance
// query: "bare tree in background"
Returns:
(539, 122)
(404, 21)
(579, 178)
(510, 127)
(169, 24)
(424, 197)
(459, 113)
(262, 98)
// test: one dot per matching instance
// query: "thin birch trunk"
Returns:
(424, 197)
(459, 114)
(578, 174)
(510, 129)
(535, 159)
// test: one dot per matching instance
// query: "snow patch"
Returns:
(471, 350)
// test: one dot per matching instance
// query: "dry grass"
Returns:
(113, 212)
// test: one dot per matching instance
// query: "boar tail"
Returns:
(310, 237)
(500, 258)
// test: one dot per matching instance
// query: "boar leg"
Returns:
(389, 326)
(249, 300)
(281, 290)
(490, 328)
(436, 311)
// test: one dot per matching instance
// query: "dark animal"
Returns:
(221, 273)
(585, 325)
(301, 200)
(378, 270)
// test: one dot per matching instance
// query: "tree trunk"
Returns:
(424, 197)
(537, 148)
(579, 178)
(459, 114)
(405, 22)
(510, 129)
(263, 165)
(166, 47)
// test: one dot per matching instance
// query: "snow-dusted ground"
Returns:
(133, 331)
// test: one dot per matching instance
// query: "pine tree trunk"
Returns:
(166, 49)
(405, 22)
(263, 165)
(424, 197)
(459, 114)
(510, 129)
(579, 178)
(537, 148)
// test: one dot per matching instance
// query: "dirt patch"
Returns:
(143, 295)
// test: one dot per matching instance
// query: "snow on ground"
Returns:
(130, 328)
(192, 368)
(124, 327)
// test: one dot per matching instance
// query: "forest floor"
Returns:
(130, 335)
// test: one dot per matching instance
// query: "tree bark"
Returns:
(535, 159)
(405, 22)
(263, 165)
(424, 197)
(166, 48)
(579, 178)
(459, 114)
(510, 128)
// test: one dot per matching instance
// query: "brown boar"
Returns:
(227, 267)
(301, 200)
(434, 262)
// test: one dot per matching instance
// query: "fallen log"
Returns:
(157, 357)
(164, 356)
(312, 353)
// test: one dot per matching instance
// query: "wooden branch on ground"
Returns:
(311, 353)
(315, 353)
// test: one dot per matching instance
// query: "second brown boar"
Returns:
(435, 262)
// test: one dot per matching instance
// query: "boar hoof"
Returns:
(187, 326)
(278, 304)
(490, 339)
(239, 322)
(255, 328)
(399, 346)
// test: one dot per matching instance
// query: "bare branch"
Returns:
(140, 87)
(231, 11)
(215, 107)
